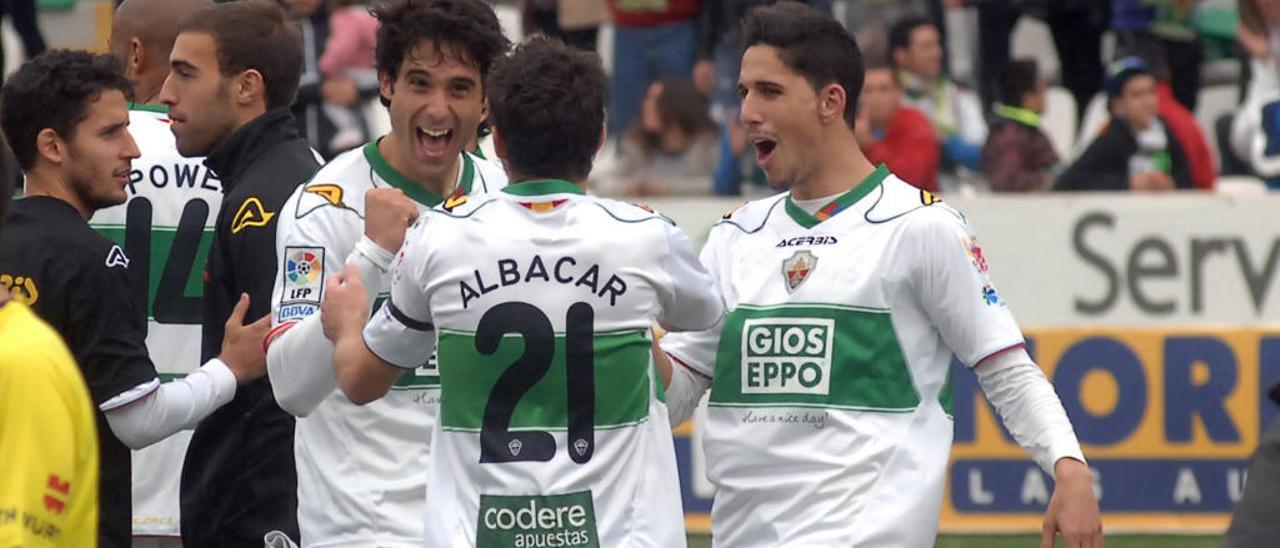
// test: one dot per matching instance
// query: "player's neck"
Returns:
(40, 183)
(517, 177)
(841, 167)
(396, 154)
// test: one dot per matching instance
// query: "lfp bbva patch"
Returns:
(303, 282)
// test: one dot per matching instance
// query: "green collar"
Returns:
(162, 109)
(803, 218)
(1023, 116)
(539, 187)
(411, 188)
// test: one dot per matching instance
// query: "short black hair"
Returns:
(900, 32)
(254, 35)
(547, 101)
(469, 28)
(811, 43)
(54, 91)
(1016, 79)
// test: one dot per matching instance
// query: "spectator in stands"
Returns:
(1076, 25)
(1259, 36)
(672, 147)
(651, 40)
(956, 112)
(22, 15)
(312, 17)
(893, 134)
(348, 54)
(1182, 123)
(1165, 25)
(1255, 136)
(574, 22)
(1136, 151)
(1018, 157)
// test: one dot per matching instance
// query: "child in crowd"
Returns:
(1018, 156)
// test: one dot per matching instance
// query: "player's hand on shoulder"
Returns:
(345, 306)
(1073, 510)
(242, 348)
(388, 213)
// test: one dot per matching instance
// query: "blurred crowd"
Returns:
(1146, 95)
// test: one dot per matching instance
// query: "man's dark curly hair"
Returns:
(54, 91)
(546, 101)
(467, 29)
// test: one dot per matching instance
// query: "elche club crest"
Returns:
(797, 269)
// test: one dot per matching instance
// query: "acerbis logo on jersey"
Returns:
(303, 281)
(330, 193)
(567, 520)
(116, 257)
(251, 213)
(787, 355)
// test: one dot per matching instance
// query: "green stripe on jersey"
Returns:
(812, 355)
(468, 378)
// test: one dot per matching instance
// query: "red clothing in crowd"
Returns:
(910, 149)
(1187, 131)
(677, 10)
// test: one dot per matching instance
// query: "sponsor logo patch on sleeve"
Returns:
(303, 282)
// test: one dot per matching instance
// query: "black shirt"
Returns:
(1105, 164)
(238, 479)
(77, 280)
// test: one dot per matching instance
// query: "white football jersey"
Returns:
(166, 227)
(552, 428)
(361, 469)
(829, 416)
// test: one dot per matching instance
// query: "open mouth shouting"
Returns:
(765, 148)
(433, 143)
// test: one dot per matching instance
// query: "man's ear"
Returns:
(137, 58)
(249, 87)
(51, 147)
(832, 99)
(386, 84)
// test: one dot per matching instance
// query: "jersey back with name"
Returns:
(361, 469)
(165, 228)
(552, 429)
(829, 409)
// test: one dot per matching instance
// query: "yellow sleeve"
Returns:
(49, 479)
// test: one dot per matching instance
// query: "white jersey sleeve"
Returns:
(950, 275)
(401, 333)
(690, 300)
(696, 350)
(298, 357)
